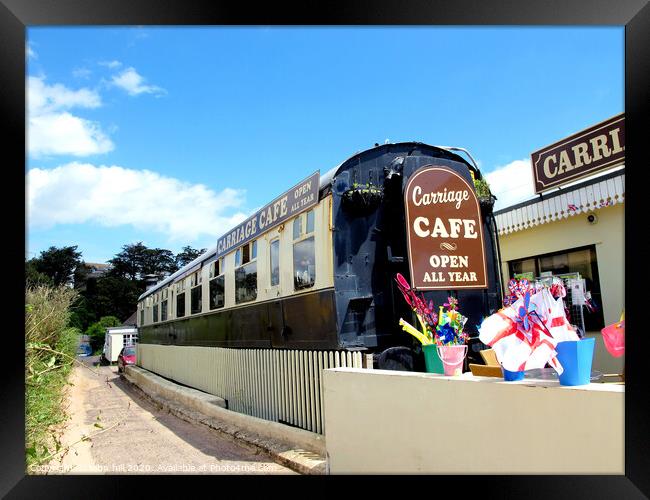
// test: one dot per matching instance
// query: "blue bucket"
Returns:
(509, 376)
(576, 357)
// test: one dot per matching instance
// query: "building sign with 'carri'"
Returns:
(596, 148)
(445, 233)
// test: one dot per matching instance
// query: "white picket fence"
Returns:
(278, 385)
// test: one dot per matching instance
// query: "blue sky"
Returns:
(171, 136)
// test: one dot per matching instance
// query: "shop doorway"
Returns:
(576, 260)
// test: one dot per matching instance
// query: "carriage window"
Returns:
(296, 227)
(275, 262)
(217, 292)
(180, 305)
(215, 268)
(217, 285)
(246, 273)
(163, 310)
(195, 298)
(246, 282)
(304, 263)
(155, 313)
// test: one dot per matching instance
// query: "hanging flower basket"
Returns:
(487, 204)
(362, 199)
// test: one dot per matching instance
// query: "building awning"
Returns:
(590, 195)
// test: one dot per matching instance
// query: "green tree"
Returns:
(116, 296)
(97, 331)
(81, 316)
(35, 278)
(58, 263)
(187, 255)
(159, 262)
(129, 262)
(136, 261)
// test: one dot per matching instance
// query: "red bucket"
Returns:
(614, 338)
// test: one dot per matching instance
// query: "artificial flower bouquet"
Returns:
(442, 329)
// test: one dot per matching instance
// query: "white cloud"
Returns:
(511, 183)
(63, 133)
(43, 98)
(111, 196)
(30, 52)
(110, 64)
(52, 130)
(133, 83)
(81, 73)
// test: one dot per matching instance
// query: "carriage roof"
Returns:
(324, 185)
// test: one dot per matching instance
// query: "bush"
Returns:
(97, 332)
(50, 350)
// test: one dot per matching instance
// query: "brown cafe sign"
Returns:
(445, 233)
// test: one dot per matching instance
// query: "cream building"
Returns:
(579, 228)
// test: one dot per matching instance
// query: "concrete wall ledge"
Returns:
(380, 422)
(302, 450)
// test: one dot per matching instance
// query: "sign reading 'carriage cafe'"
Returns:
(445, 233)
(299, 198)
(596, 148)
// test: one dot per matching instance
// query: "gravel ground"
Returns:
(130, 435)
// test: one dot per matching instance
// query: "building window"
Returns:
(304, 256)
(155, 313)
(180, 305)
(141, 316)
(275, 262)
(163, 310)
(578, 260)
(246, 273)
(525, 268)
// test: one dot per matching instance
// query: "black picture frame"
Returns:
(16, 15)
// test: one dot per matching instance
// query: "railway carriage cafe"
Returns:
(308, 281)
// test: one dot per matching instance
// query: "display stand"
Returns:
(575, 296)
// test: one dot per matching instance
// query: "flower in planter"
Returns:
(446, 334)
(482, 189)
(445, 328)
(363, 196)
(450, 325)
(427, 318)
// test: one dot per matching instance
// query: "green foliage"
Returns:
(97, 331)
(33, 277)
(187, 255)
(135, 261)
(49, 356)
(482, 189)
(115, 296)
(59, 264)
(80, 315)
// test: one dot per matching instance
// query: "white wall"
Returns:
(379, 422)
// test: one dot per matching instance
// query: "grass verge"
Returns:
(49, 356)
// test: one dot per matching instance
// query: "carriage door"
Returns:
(273, 285)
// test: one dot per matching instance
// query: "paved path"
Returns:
(130, 435)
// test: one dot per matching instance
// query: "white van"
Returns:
(116, 338)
